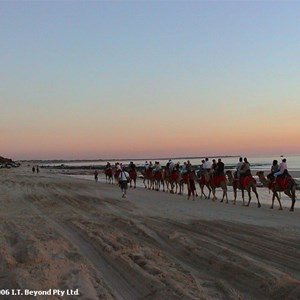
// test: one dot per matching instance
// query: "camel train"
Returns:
(174, 182)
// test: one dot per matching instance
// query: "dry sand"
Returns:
(65, 233)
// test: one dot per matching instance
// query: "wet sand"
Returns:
(70, 234)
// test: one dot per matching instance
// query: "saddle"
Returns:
(132, 174)
(157, 175)
(216, 179)
(186, 177)
(244, 180)
(108, 172)
(282, 181)
(174, 175)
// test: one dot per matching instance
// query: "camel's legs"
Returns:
(277, 197)
(249, 195)
(256, 194)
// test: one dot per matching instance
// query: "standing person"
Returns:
(123, 181)
(37, 169)
(191, 187)
(33, 169)
(96, 175)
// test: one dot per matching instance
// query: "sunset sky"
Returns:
(136, 79)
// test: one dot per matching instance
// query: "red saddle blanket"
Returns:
(216, 179)
(157, 175)
(174, 175)
(108, 172)
(148, 173)
(186, 177)
(244, 180)
(132, 174)
(282, 181)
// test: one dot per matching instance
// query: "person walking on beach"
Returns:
(96, 175)
(123, 181)
(33, 169)
(191, 186)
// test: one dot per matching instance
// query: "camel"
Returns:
(250, 185)
(116, 175)
(185, 180)
(132, 178)
(147, 174)
(108, 175)
(175, 181)
(167, 173)
(289, 189)
(217, 181)
(203, 181)
(158, 179)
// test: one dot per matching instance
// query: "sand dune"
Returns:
(63, 233)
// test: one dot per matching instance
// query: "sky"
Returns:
(149, 79)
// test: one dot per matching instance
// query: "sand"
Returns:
(63, 234)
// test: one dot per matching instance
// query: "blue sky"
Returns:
(78, 77)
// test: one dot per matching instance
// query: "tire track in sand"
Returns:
(119, 285)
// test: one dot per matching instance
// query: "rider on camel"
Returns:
(131, 166)
(207, 165)
(245, 168)
(146, 165)
(274, 169)
(183, 168)
(219, 168)
(282, 169)
(189, 167)
(157, 167)
(238, 168)
(213, 166)
(170, 165)
(150, 167)
(201, 169)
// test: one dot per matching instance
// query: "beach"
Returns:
(66, 237)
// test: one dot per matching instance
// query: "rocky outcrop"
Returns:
(8, 163)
